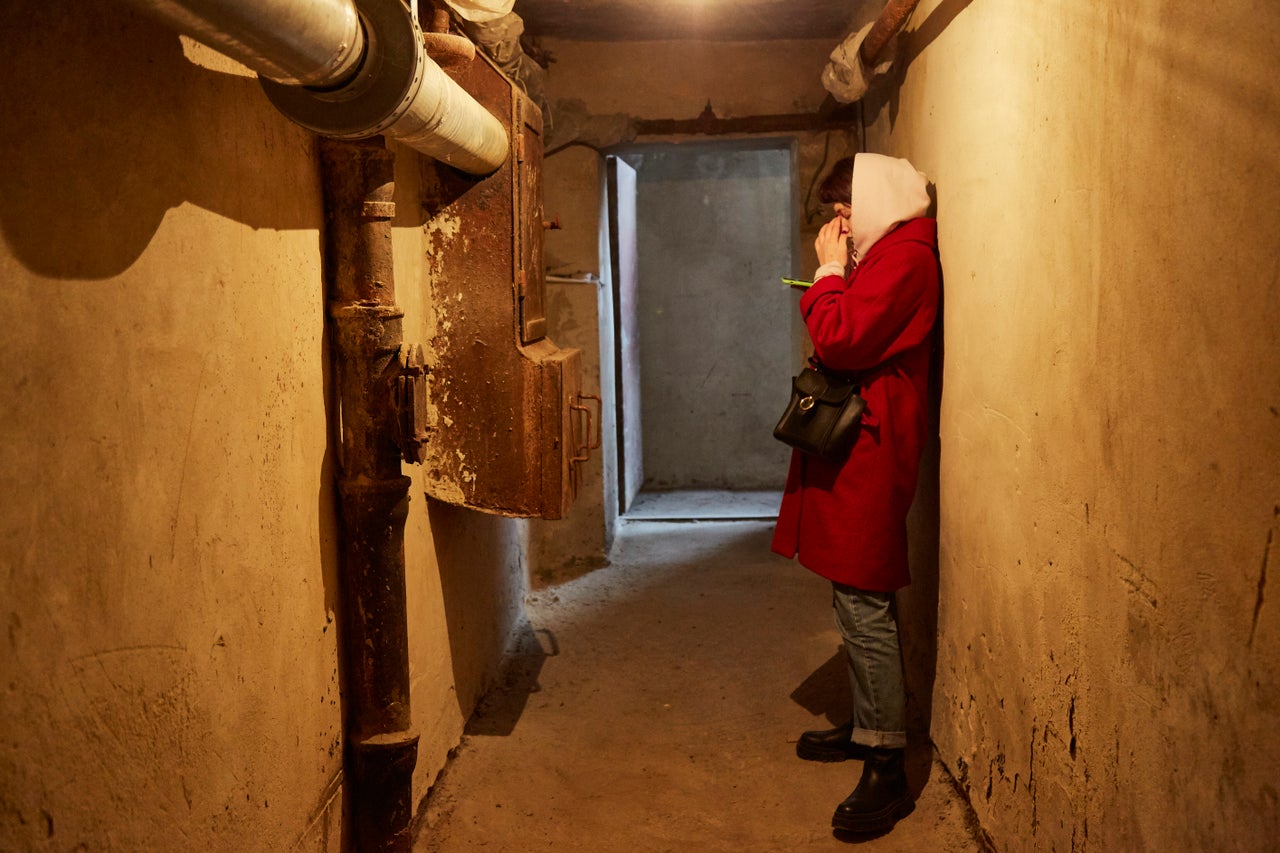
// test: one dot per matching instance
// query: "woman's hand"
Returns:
(833, 242)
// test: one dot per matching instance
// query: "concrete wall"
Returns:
(167, 536)
(1108, 178)
(676, 79)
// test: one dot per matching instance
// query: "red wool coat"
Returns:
(848, 521)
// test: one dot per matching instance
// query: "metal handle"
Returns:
(583, 453)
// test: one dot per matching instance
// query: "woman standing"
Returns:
(870, 312)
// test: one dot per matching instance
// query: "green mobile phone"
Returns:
(795, 282)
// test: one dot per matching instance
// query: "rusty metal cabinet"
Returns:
(507, 422)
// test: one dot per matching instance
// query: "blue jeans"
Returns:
(868, 621)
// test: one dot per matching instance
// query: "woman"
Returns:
(870, 312)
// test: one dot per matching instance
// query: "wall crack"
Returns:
(1262, 582)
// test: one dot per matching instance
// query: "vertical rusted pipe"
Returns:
(374, 496)
(892, 17)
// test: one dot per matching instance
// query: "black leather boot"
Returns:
(881, 797)
(830, 745)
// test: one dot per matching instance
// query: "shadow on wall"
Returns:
(918, 603)
(97, 153)
(327, 509)
(911, 44)
(482, 587)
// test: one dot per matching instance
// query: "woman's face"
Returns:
(842, 210)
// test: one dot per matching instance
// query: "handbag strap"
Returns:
(855, 378)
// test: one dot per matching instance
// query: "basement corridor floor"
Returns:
(653, 705)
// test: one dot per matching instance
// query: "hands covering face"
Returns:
(832, 243)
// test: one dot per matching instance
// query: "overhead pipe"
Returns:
(865, 54)
(347, 69)
(892, 18)
(314, 43)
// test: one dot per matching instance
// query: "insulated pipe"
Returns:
(402, 92)
(363, 70)
(310, 43)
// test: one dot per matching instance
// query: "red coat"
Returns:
(848, 522)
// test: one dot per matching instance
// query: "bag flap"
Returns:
(828, 389)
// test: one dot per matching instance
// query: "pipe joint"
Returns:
(383, 811)
(371, 332)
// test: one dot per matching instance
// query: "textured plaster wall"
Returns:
(1108, 640)
(167, 542)
(168, 555)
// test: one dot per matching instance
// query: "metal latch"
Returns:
(411, 403)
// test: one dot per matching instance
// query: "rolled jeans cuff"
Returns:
(883, 740)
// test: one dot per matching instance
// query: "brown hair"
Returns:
(837, 185)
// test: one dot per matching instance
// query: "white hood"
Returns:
(885, 191)
(478, 11)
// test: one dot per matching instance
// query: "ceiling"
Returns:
(661, 20)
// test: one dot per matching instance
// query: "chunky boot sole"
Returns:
(819, 752)
(873, 823)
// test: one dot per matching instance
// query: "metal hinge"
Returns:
(411, 404)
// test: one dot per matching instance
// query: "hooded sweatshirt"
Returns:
(885, 192)
(847, 520)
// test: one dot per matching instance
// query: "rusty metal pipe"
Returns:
(373, 494)
(892, 17)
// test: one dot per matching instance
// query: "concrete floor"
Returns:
(654, 705)
(704, 505)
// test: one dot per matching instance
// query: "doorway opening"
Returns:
(706, 335)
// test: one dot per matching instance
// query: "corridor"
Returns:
(340, 332)
(654, 705)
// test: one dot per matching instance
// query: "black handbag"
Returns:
(823, 415)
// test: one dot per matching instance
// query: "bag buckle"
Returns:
(806, 403)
